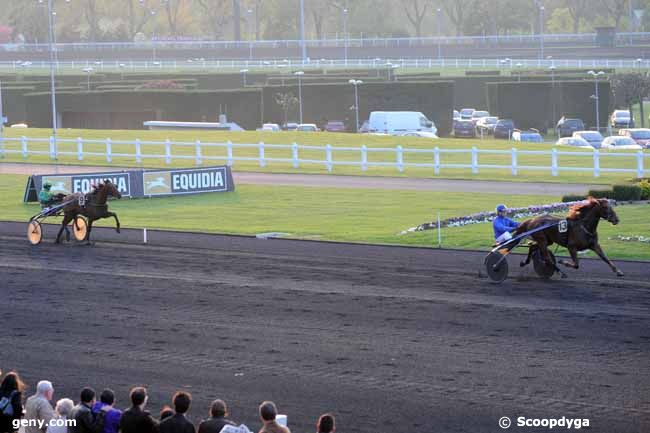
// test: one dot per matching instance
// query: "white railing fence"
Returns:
(199, 152)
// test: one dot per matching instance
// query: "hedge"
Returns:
(626, 192)
(601, 193)
(570, 198)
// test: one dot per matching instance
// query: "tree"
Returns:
(90, 14)
(286, 101)
(138, 13)
(458, 11)
(577, 10)
(216, 15)
(415, 11)
(616, 9)
(632, 88)
(319, 11)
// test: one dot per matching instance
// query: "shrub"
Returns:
(645, 189)
(601, 193)
(626, 192)
(570, 198)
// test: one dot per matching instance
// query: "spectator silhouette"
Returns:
(217, 419)
(11, 401)
(112, 418)
(38, 407)
(178, 423)
(326, 424)
(63, 408)
(268, 412)
(166, 412)
(85, 420)
(136, 419)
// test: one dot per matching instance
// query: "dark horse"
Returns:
(92, 205)
(580, 233)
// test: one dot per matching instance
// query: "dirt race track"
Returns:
(389, 339)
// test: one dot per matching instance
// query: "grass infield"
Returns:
(355, 215)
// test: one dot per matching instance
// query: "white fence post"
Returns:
(400, 158)
(364, 157)
(262, 160)
(436, 160)
(80, 149)
(2, 145)
(198, 152)
(328, 157)
(168, 152)
(596, 163)
(294, 155)
(474, 160)
(138, 151)
(513, 167)
(229, 153)
(52, 148)
(109, 157)
(639, 164)
(23, 145)
(554, 162)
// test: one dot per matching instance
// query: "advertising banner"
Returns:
(137, 183)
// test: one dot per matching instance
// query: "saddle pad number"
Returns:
(82, 201)
(563, 227)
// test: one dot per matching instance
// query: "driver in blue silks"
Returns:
(503, 225)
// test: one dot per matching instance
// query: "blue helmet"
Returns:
(501, 207)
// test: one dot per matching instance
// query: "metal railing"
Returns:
(287, 64)
(197, 152)
(623, 38)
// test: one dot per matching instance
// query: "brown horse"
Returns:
(92, 205)
(579, 233)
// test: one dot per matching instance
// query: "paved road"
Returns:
(336, 181)
(389, 339)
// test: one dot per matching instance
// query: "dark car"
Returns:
(504, 128)
(567, 126)
(464, 128)
(334, 126)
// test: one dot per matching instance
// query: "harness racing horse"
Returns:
(579, 233)
(92, 205)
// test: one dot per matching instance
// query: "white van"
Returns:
(400, 122)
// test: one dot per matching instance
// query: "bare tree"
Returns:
(415, 11)
(577, 10)
(457, 11)
(172, 9)
(632, 88)
(90, 13)
(138, 14)
(616, 9)
(286, 101)
(319, 12)
(216, 14)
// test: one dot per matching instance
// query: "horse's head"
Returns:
(111, 189)
(606, 211)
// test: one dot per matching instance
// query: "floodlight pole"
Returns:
(302, 32)
(50, 19)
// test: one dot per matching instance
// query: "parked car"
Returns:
(269, 127)
(621, 119)
(464, 128)
(567, 126)
(422, 134)
(574, 142)
(620, 142)
(640, 135)
(334, 126)
(504, 128)
(400, 122)
(307, 127)
(290, 126)
(531, 135)
(594, 138)
(456, 115)
(466, 113)
(477, 115)
(486, 125)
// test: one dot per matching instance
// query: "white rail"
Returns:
(396, 157)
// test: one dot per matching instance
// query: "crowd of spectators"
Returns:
(93, 416)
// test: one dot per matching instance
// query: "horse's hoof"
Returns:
(563, 275)
(522, 263)
(619, 273)
(117, 229)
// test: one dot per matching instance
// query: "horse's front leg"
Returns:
(117, 221)
(531, 249)
(64, 226)
(90, 227)
(598, 250)
(574, 259)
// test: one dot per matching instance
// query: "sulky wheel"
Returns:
(543, 269)
(80, 228)
(496, 272)
(34, 232)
